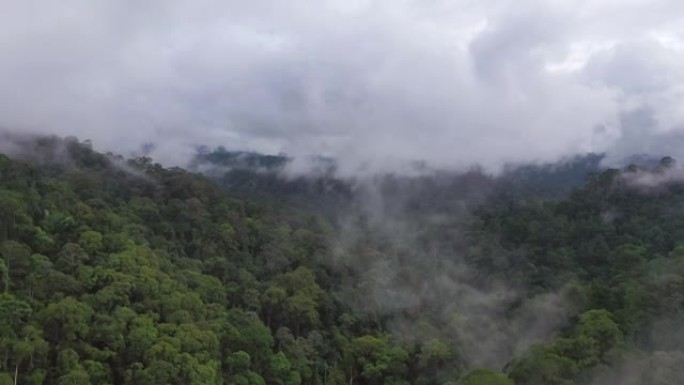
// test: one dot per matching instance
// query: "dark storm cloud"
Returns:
(372, 83)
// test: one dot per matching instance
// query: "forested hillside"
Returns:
(118, 271)
(271, 178)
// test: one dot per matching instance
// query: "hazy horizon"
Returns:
(373, 84)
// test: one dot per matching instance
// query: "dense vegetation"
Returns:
(121, 271)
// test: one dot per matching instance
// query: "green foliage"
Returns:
(124, 272)
(599, 326)
(543, 366)
(485, 377)
(91, 241)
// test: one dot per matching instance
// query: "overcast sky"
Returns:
(369, 82)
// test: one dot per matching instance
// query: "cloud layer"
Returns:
(369, 82)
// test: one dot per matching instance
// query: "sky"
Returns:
(374, 84)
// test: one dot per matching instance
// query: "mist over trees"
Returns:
(120, 271)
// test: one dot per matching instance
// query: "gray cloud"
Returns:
(369, 82)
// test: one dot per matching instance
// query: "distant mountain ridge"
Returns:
(260, 176)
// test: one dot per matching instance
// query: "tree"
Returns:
(11, 213)
(377, 360)
(77, 376)
(70, 258)
(599, 325)
(16, 258)
(485, 377)
(542, 366)
(91, 241)
(304, 297)
(18, 340)
(66, 322)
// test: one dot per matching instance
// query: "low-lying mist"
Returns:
(406, 248)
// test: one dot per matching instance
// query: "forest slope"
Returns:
(121, 271)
